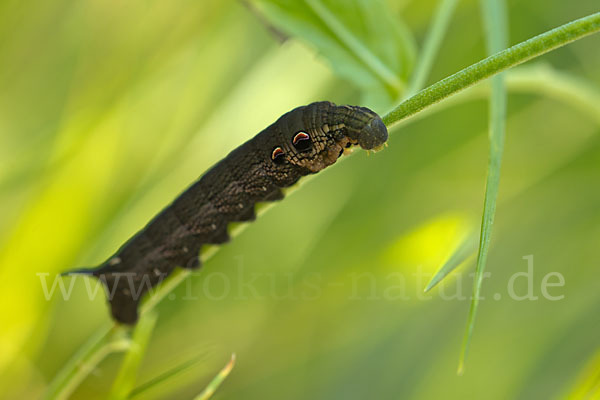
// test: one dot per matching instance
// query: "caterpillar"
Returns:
(303, 141)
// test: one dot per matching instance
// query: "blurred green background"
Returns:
(109, 109)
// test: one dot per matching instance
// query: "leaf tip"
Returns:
(431, 284)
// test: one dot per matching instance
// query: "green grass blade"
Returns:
(434, 38)
(463, 251)
(217, 380)
(494, 16)
(125, 380)
(165, 376)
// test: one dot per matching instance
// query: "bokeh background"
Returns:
(109, 109)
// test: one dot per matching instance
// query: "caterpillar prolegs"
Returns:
(301, 142)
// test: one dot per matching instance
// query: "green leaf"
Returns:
(165, 376)
(362, 40)
(125, 380)
(495, 19)
(463, 251)
(217, 380)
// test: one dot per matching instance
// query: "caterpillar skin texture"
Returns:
(301, 142)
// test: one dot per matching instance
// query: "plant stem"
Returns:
(491, 65)
(125, 380)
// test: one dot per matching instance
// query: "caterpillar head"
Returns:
(364, 127)
(315, 136)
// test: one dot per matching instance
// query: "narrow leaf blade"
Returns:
(217, 380)
(166, 376)
(463, 251)
(494, 15)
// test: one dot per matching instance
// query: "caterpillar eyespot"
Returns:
(228, 192)
(302, 141)
(277, 155)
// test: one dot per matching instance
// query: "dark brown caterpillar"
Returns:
(301, 142)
